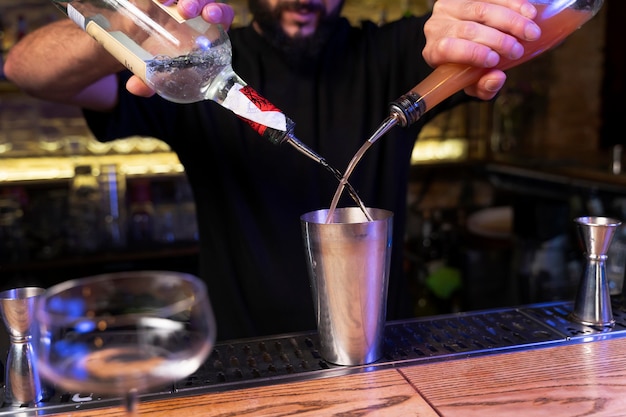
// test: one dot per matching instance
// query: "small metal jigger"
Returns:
(22, 382)
(593, 299)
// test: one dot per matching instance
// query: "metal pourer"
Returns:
(593, 299)
(404, 111)
(408, 108)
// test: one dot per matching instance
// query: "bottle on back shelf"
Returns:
(84, 211)
(141, 213)
(112, 185)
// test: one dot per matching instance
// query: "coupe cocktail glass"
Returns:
(124, 333)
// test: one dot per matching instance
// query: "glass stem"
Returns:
(131, 401)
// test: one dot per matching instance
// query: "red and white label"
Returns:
(245, 102)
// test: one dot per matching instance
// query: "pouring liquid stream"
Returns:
(557, 20)
(343, 183)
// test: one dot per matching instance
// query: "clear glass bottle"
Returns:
(184, 61)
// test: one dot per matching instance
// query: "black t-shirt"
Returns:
(250, 193)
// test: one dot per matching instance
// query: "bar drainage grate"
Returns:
(294, 357)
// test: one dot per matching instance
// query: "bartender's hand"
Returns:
(478, 32)
(212, 12)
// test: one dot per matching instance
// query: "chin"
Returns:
(294, 30)
(304, 32)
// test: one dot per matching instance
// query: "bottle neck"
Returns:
(222, 85)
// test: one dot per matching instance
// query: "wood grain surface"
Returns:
(587, 379)
(580, 379)
(382, 393)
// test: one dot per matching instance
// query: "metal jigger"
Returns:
(593, 299)
(22, 383)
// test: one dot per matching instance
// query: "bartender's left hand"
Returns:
(478, 33)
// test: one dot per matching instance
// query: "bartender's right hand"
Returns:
(478, 33)
(212, 12)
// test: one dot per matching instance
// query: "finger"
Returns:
(476, 16)
(488, 86)
(523, 7)
(461, 51)
(137, 87)
(219, 13)
(497, 14)
(475, 33)
(212, 12)
(514, 22)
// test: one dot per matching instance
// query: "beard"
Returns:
(299, 51)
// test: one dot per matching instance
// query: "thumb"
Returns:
(137, 87)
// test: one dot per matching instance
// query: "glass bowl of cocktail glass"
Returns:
(124, 333)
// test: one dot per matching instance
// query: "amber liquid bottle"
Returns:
(557, 20)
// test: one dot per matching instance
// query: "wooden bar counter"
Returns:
(578, 379)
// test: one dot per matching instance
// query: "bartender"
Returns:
(333, 79)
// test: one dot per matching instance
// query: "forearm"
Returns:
(60, 62)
